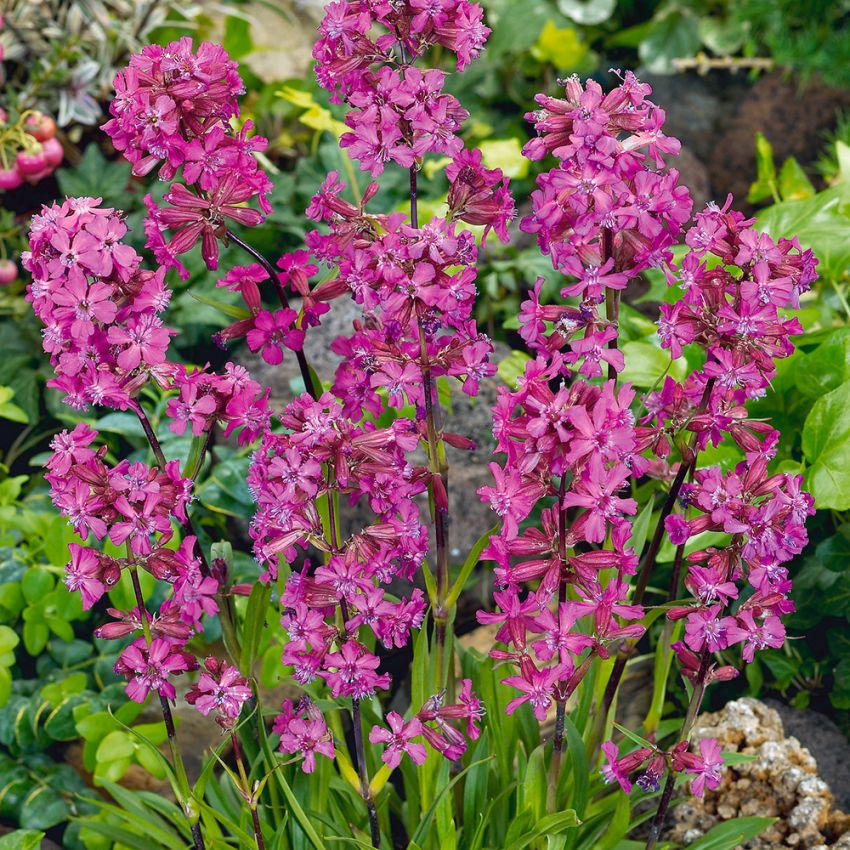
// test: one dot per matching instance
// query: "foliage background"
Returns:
(63, 716)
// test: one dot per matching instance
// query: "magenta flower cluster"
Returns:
(416, 288)
(610, 210)
(572, 438)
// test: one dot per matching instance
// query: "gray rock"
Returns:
(825, 741)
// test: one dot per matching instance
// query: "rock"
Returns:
(825, 741)
(791, 115)
(781, 781)
(695, 106)
(694, 175)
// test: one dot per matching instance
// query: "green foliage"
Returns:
(96, 176)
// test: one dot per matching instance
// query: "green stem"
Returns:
(176, 756)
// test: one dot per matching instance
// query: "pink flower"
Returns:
(196, 217)
(272, 332)
(303, 730)
(398, 740)
(706, 628)
(83, 572)
(707, 767)
(221, 689)
(148, 668)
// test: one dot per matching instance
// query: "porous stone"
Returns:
(781, 781)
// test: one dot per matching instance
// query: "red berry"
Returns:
(10, 178)
(32, 179)
(41, 126)
(8, 272)
(31, 163)
(53, 152)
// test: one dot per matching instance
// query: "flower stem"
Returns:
(438, 467)
(363, 770)
(246, 789)
(225, 607)
(168, 718)
(303, 366)
(687, 725)
(360, 755)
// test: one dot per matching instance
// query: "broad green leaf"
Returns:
(237, 37)
(588, 12)
(834, 552)
(722, 36)
(512, 367)
(646, 364)
(8, 639)
(22, 839)
(824, 369)
(563, 48)
(95, 176)
(507, 155)
(819, 223)
(731, 834)
(36, 584)
(826, 445)
(794, 184)
(674, 34)
(43, 808)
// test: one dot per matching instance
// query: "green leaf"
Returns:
(646, 364)
(563, 48)
(36, 584)
(834, 552)
(634, 737)
(732, 833)
(640, 528)
(425, 822)
(8, 640)
(512, 366)
(231, 310)
(43, 808)
(723, 37)
(824, 369)
(764, 187)
(588, 12)
(96, 176)
(826, 445)
(794, 184)
(468, 566)
(819, 223)
(253, 626)
(22, 839)
(674, 34)
(237, 37)
(507, 155)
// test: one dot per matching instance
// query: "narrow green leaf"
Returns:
(468, 566)
(732, 833)
(252, 628)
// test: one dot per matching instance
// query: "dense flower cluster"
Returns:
(173, 108)
(731, 309)
(106, 340)
(416, 288)
(603, 215)
(347, 48)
